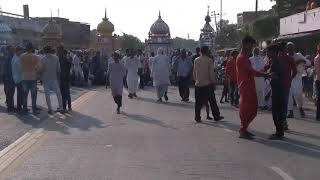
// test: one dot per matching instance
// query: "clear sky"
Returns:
(136, 16)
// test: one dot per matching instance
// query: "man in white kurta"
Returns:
(116, 72)
(258, 64)
(132, 65)
(296, 90)
(160, 73)
(77, 70)
(151, 60)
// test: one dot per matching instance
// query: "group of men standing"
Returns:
(283, 67)
(23, 69)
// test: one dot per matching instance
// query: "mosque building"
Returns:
(103, 39)
(5, 34)
(159, 36)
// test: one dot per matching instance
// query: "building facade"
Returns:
(303, 29)
(159, 36)
(208, 35)
(247, 17)
(75, 35)
(5, 34)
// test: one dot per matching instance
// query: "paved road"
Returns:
(152, 141)
(13, 126)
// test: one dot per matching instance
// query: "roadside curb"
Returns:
(21, 145)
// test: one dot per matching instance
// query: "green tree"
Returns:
(265, 28)
(188, 44)
(228, 36)
(288, 7)
(128, 41)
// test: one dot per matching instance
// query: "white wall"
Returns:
(301, 22)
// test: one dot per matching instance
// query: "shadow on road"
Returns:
(304, 134)
(59, 122)
(148, 120)
(74, 120)
(182, 105)
(310, 150)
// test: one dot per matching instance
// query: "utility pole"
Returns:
(220, 16)
(215, 20)
(257, 3)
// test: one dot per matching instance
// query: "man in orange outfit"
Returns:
(246, 86)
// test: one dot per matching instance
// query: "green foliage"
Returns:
(188, 44)
(128, 41)
(265, 28)
(229, 37)
(289, 7)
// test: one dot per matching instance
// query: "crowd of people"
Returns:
(23, 68)
(275, 78)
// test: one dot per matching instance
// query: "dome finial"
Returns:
(208, 18)
(105, 13)
(159, 14)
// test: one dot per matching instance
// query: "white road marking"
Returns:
(280, 172)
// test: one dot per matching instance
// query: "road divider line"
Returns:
(281, 173)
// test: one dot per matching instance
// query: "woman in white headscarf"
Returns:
(160, 73)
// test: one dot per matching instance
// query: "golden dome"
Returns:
(52, 30)
(105, 27)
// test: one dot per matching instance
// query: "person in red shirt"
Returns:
(246, 86)
(231, 73)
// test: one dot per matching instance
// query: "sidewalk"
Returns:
(13, 126)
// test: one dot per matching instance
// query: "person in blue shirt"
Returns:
(9, 86)
(17, 76)
(183, 67)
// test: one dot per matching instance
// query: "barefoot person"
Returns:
(117, 71)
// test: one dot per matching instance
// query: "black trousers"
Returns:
(234, 96)
(318, 98)
(225, 90)
(183, 84)
(202, 95)
(86, 75)
(9, 89)
(65, 93)
(118, 100)
(19, 96)
(278, 108)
